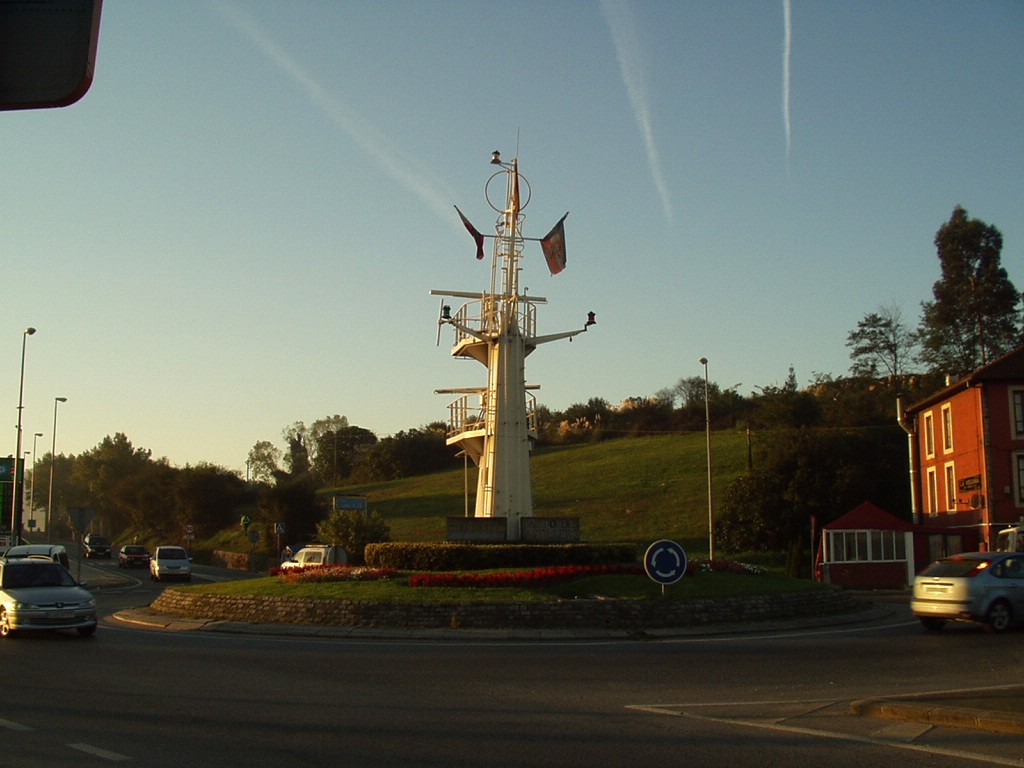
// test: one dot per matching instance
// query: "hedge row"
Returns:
(447, 556)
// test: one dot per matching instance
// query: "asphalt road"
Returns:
(777, 698)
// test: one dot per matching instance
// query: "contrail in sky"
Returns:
(629, 53)
(787, 50)
(364, 134)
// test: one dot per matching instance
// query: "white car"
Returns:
(170, 562)
(41, 594)
(986, 587)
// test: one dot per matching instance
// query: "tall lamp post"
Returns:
(707, 431)
(19, 477)
(53, 459)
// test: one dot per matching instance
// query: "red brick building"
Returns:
(966, 445)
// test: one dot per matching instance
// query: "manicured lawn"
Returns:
(632, 587)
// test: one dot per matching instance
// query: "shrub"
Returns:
(353, 530)
(449, 556)
(324, 573)
(531, 578)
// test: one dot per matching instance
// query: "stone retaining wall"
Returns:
(563, 614)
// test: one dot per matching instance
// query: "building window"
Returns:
(866, 546)
(933, 492)
(950, 474)
(1018, 478)
(1017, 412)
(947, 429)
(929, 435)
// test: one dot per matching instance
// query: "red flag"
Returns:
(479, 238)
(553, 245)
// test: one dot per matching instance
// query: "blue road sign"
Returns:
(665, 562)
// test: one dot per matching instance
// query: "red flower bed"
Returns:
(321, 573)
(529, 578)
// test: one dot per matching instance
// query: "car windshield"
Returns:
(41, 575)
(955, 566)
(172, 554)
(132, 550)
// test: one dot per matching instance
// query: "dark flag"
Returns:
(479, 238)
(553, 245)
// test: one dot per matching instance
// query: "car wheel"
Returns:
(5, 625)
(932, 624)
(999, 616)
(87, 631)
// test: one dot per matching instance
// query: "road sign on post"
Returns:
(7, 493)
(665, 562)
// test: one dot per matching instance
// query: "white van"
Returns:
(314, 555)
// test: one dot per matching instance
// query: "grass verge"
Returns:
(623, 587)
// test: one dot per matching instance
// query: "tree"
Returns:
(975, 316)
(108, 474)
(353, 530)
(293, 501)
(337, 451)
(690, 392)
(881, 344)
(787, 406)
(264, 462)
(208, 497)
(297, 458)
(805, 472)
(410, 452)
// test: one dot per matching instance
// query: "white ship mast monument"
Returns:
(495, 424)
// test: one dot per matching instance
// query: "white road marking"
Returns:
(874, 740)
(97, 752)
(10, 725)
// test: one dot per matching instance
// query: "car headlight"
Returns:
(90, 603)
(20, 605)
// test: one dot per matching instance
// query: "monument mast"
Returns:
(495, 425)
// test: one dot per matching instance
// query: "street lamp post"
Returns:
(32, 488)
(53, 458)
(707, 431)
(19, 477)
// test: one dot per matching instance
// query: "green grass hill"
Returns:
(626, 490)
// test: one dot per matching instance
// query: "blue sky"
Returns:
(240, 224)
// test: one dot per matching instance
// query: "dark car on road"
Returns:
(97, 546)
(132, 555)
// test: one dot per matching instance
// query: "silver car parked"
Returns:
(42, 594)
(986, 587)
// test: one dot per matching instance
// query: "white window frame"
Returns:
(932, 491)
(929, 435)
(868, 545)
(1017, 467)
(1016, 399)
(947, 428)
(949, 480)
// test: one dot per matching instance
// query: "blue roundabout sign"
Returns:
(665, 562)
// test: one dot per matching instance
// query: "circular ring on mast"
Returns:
(523, 201)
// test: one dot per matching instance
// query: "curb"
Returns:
(935, 709)
(149, 618)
